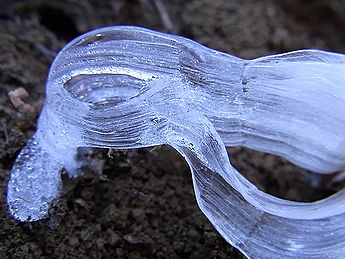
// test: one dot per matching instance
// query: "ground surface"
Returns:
(140, 203)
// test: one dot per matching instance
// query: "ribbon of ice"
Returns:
(129, 87)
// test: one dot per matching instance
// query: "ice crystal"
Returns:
(129, 87)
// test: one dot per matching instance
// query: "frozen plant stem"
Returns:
(129, 87)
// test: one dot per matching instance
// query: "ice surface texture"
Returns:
(129, 87)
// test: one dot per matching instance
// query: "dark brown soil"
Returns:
(140, 203)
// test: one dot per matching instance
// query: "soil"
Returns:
(140, 203)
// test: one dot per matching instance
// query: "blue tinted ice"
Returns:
(128, 87)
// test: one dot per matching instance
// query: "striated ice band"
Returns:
(129, 87)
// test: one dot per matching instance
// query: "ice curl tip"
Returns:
(129, 87)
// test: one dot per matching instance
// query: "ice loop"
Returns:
(129, 87)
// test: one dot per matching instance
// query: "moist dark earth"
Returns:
(140, 203)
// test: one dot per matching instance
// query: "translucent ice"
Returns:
(128, 87)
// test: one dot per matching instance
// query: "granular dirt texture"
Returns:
(140, 203)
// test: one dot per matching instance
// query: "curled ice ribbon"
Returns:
(129, 87)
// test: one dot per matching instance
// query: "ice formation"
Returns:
(129, 87)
